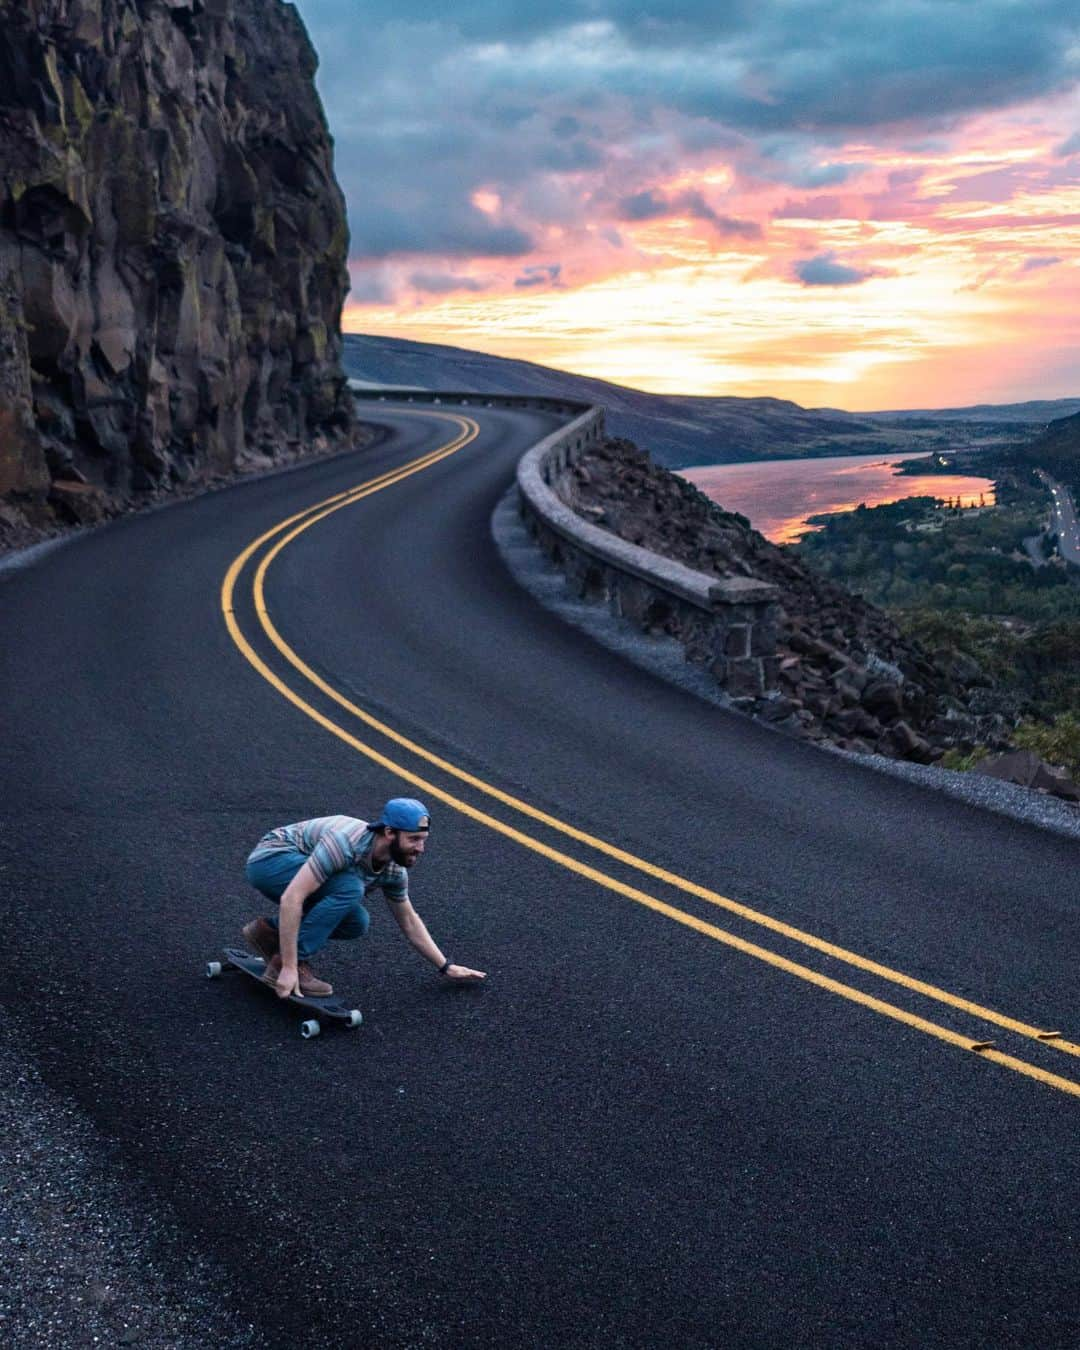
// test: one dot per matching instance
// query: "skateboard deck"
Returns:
(328, 1008)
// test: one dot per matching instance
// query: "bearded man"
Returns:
(319, 872)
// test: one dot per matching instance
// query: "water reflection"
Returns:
(778, 495)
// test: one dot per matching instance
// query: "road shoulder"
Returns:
(88, 1258)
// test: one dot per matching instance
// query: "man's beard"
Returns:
(399, 855)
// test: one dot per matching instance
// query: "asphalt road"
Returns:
(636, 1133)
(1063, 520)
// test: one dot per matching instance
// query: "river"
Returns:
(777, 495)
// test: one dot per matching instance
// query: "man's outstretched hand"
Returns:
(463, 975)
(288, 982)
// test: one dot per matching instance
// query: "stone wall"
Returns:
(728, 625)
(172, 245)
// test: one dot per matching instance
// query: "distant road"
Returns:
(730, 1082)
(1063, 519)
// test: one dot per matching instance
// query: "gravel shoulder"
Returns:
(87, 1256)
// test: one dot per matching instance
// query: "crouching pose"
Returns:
(319, 872)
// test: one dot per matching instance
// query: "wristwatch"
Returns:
(444, 967)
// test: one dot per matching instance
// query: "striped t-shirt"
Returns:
(332, 844)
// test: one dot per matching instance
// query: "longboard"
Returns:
(328, 1007)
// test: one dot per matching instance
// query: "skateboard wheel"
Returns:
(354, 1017)
(310, 1028)
(213, 969)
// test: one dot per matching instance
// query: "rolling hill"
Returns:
(684, 430)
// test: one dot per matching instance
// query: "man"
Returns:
(319, 872)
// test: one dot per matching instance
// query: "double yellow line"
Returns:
(288, 530)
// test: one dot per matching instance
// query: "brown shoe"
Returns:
(310, 984)
(262, 938)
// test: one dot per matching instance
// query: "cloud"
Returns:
(824, 175)
(572, 157)
(824, 270)
(647, 205)
(771, 65)
(983, 279)
(456, 229)
(788, 159)
(579, 119)
(1036, 264)
(370, 286)
(444, 283)
(652, 204)
(540, 275)
(826, 207)
(427, 110)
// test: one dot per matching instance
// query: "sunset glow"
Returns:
(701, 208)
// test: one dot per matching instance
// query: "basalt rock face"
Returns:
(172, 248)
(846, 675)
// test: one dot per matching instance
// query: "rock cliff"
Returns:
(172, 249)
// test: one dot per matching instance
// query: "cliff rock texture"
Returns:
(172, 249)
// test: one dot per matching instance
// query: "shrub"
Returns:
(956, 759)
(1058, 743)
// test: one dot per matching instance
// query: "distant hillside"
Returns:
(1061, 438)
(1041, 411)
(1057, 450)
(677, 430)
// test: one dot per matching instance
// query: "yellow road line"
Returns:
(470, 430)
(316, 513)
(600, 845)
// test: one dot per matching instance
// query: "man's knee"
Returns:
(272, 873)
(354, 923)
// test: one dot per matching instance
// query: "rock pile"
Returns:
(845, 673)
(172, 249)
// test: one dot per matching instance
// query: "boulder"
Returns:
(78, 503)
(966, 670)
(884, 699)
(903, 742)
(777, 708)
(1029, 770)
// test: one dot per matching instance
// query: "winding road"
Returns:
(761, 1058)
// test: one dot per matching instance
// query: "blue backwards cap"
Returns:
(404, 813)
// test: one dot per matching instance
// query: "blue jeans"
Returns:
(333, 911)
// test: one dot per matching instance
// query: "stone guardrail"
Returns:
(728, 625)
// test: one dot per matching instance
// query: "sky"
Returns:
(844, 203)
